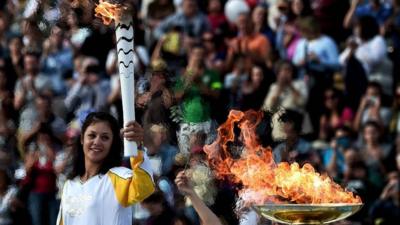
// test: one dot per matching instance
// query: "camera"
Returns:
(343, 142)
(372, 100)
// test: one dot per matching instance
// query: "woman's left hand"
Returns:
(133, 132)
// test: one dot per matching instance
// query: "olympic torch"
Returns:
(124, 36)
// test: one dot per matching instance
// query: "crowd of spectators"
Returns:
(325, 71)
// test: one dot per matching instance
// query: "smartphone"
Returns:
(372, 100)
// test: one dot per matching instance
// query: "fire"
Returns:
(107, 11)
(261, 178)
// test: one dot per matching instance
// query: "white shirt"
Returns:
(369, 53)
(287, 99)
(5, 206)
(106, 199)
(323, 47)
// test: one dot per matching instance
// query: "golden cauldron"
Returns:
(307, 213)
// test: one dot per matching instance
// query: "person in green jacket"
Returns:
(194, 92)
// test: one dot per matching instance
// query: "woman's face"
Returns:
(331, 101)
(297, 6)
(258, 15)
(371, 134)
(214, 6)
(282, 6)
(97, 140)
(72, 19)
(197, 55)
(31, 64)
(15, 45)
(208, 41)
(243, 23)
(189, 7)
(257, 75)
(285, 74)
(373, 92)
(57, 36)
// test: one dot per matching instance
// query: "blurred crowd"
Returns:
(326, 73)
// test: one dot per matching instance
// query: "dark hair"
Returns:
(309, 24)
(15, 37)
(33, 52)
(293, 117)
(114, 157)
(374, 84)
(369, 27)
(281, 63)
(265, 14)
(372, 123)
(307, 10)
(338, 94)
(6, 175)
(199, 46)
(376, 125)
(346, 129)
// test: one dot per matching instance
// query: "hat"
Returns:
(158, 65)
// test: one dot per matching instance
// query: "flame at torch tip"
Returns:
(107, 11)
(262, 179)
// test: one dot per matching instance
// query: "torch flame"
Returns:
(262, 179)
(107, 11)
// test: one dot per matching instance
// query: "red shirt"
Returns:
(44, 178)
(216, 20)
(252, 3)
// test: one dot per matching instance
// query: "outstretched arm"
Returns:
(207, 217)
(348, 19)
